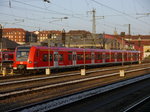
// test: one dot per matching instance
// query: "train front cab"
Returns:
(23, 58)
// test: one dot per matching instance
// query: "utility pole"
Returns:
(1, 35)
(64, 37)
(83, 71)
(93, 24)
(129, 29)
(94, 17)
(48, 69)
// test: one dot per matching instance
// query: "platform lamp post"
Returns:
(83, 71)
(139, 41)
(1, 47)
(64, 37)
(122, 47)
(122, 72)
(48, 69)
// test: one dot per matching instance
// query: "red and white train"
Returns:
(41, 57)
(7, 56)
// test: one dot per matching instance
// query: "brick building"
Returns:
(140, 42)
(15, 34)
(43, 35)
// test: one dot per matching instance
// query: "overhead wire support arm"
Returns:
(46, 1)
(142, 15)
(94, 17)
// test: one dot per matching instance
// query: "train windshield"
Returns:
(22, 53)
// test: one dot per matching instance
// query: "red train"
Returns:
(6, 56)
(36, 57)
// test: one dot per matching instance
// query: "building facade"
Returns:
(44, 35)
(17, 35)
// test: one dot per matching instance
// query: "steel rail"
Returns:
(133, 106)
(50, 104)
(52, 77)
(54, 85)
(61, 84)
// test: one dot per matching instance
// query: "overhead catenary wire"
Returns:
(97, 2)
(38, 14)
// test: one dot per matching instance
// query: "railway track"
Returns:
(28, 76)
(128, 98)
(136, 106)
(19, 85)
(27, 90)
(12, 79)
(115, 96)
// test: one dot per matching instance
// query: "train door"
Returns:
(55, 59)
(115, 56)
(5, 57)
(70, 58)
(74, 58)
(103, 57)
(93, 59)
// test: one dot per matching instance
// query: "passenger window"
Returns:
(88, 56)
(107, 56)
(112, 56)
(51, 57)
(119, 56)
(80, 56)
(10, 56)
(45, 57)
(61, 57)
(70, 57)
(98, 56)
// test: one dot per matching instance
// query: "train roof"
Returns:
(78, 49)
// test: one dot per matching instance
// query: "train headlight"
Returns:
(30, 61)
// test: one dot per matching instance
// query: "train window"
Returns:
(119, 56)
(22, 53)
(88, 56)
(98, 56)
(112, 56)
(80, 56)
(70, 56)
(107, 56)
(51, 57)
(45, 57)
(61, 57)
(129, 56)
(10, 56)
(135, 56)
(125, 56)
(103, 56)
(5, 55)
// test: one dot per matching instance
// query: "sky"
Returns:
(111, 15)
